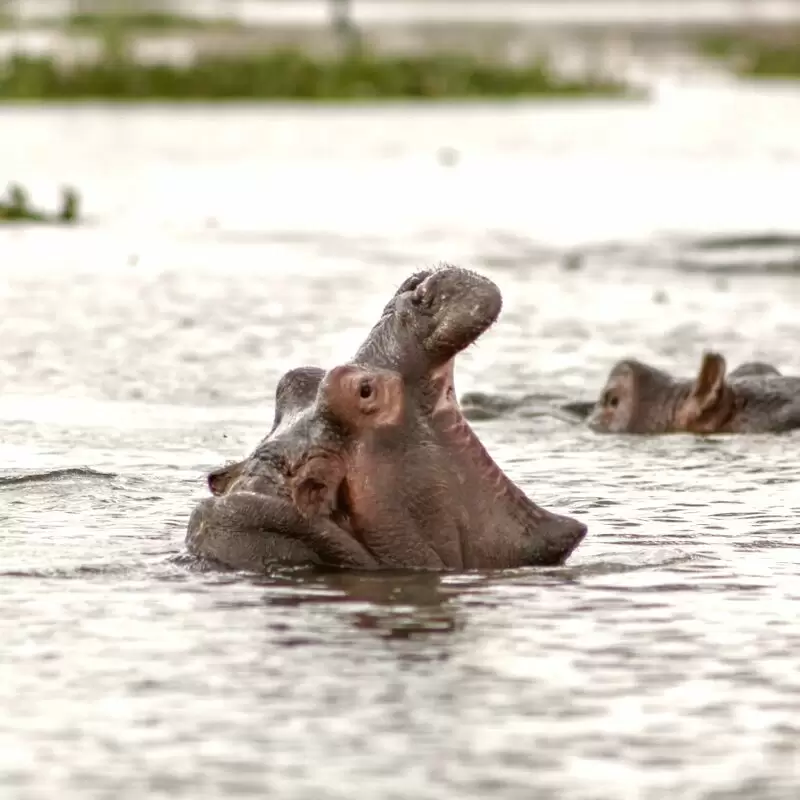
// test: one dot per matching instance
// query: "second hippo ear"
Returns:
(315, 486)
(313, 497)
(220, 479)
(709, 385)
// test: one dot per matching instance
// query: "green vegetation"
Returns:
(131, 21)
(143, 21)
(287, 75)
(756, 56)
(16, 208)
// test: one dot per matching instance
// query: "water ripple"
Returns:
(139, 353)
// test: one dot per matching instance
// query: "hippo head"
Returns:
(636, 398)
(433, 316)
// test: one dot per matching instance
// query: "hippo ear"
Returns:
(313, 497)
(709, 386)
(296, 389)
(220, 479)
(315, 486)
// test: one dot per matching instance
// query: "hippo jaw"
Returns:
(533, 535)
(545, 538)
(433, 317)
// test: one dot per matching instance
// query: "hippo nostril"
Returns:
(423, 296)
(412, 283)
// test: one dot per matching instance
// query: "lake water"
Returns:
(224, 246)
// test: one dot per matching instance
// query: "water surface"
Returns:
(224, 247)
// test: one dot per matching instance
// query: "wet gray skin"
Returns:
(481, 406)
(253, 523)
(752, 369)
(580, 409)
(754, 398)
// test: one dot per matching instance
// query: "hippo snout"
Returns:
(555, 538)
(450, 309)
(474, 295)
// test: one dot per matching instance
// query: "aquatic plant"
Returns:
(18, 209)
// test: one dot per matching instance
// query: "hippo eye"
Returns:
(365, 389)
(611, 400)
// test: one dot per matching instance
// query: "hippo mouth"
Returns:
(442, 381)
(553, 537)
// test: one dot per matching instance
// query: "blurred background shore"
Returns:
(339, 49)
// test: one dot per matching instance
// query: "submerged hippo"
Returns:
(481, 406)
(754, 398)
(253, 521)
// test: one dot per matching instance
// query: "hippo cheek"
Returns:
(555, 538)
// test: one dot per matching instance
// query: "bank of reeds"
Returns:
(756, 56)
(290, 75)
(132, 22)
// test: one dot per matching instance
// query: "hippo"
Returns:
(754, 398)
(252, 521)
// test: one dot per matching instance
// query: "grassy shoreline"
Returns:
(291, 74)
(754, 56)
(132, 22)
